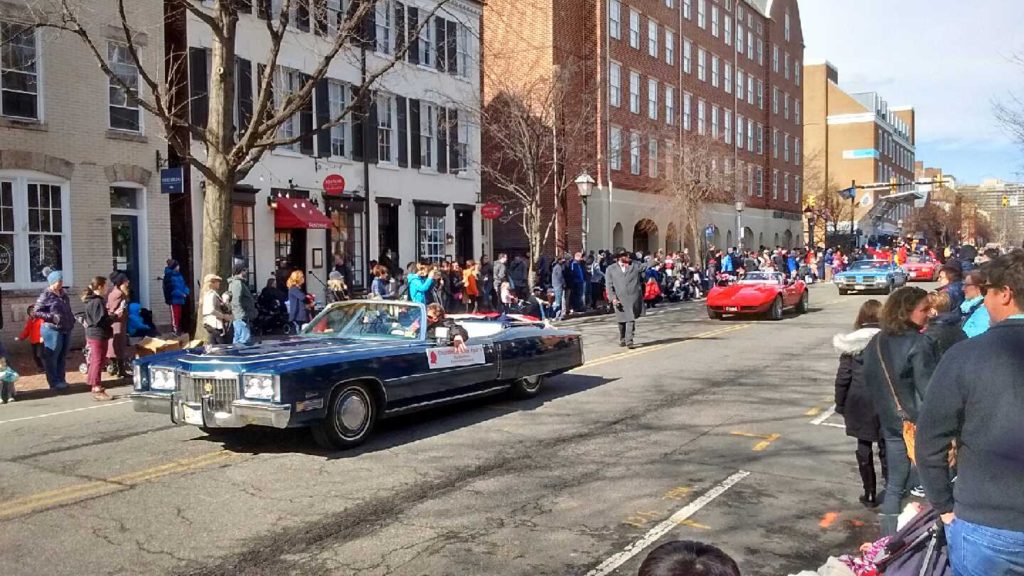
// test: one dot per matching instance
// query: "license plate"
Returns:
(191, 415)
(732, 309)
(859, 287)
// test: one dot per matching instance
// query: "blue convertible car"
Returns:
(354, 363)
(871, 275)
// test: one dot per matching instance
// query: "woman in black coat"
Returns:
(853, 401)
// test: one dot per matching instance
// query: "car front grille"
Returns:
(869, 279)
(221, 391)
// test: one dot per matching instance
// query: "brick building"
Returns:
(665, 74)
(858, 138)
(79, 185)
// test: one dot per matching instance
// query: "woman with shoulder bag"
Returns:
(98, 331)
(898, 363)
(215, 319)
(854, 402)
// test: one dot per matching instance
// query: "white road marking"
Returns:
(47, 415)
(609, 565)
(833, 425)
(820, 420)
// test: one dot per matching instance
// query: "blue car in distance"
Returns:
(353, 364)
(871, 276)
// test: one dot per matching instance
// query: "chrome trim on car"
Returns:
(448, 399)
(154, 402)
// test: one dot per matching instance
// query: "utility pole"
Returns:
(853, 202)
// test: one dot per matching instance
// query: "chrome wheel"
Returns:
(350, 417)
(527, 387)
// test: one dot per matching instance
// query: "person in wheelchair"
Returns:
(438, 324)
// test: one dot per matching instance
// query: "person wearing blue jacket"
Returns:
(420, 284)
(976, 318)
(175, 293)
(791, 264)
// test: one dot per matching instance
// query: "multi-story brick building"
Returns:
(79, 185)
(858, 138)
(410, 189)
(666, 74)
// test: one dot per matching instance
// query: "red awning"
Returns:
(299, 213)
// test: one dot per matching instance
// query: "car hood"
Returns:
(278, 356)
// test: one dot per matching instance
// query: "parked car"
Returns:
(871, 276)
(353, 364)
(758, 293)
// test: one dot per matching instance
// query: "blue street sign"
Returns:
(172, 180)
(848, 193)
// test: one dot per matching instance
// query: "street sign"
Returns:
(334, 185)
(848, 193)
(172, 180)
(491, 211)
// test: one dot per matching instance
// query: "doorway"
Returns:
(387, 237)
(124, 243)
(290, 248)
(463, 233)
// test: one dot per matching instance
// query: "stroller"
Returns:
(919, 549)
(271, 316)
(111, 366)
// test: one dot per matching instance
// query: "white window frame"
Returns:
(785, 187)
(670, 47)
(652, 38)
(652, 98)
(796, 110)
(786, 29)
(714, 21)
(775, 143)
(739, 36)
(37, 71)
(702, 65)
(337, 98)
(386, 111)
(652, 157)
(634, 91)
(740, 85)
(634, 29)
(775, 184)
(670, 105)
(384, 35)
(464, 51)
(760, 94)
(113, 87)
(727, 30)
(750, 89)
(634, 153)
(759, 185)
(688, 9)
(687, 56)
(739, 131)
(687, 111)
(429, 115)
(796, 151)
(796, 72)
(20, 181)
(702, 127)
(785, 106)
(727, 126)
(775, 100)
(775, 58)
(760, 139)
(288, 81)
(785, 148)
(615, 19)
(786, 66)
(714, 121)
(750, 134)
(428, 53)
(702, 16)
(715, 71)
(614, 147)
(615, 84)
(727, 80)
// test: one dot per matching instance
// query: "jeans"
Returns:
(55, 356)
(976, 550)
(559, 306)
(242, 334)
(897, 484)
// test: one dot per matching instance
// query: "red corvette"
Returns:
(922, 269)
(758, 293)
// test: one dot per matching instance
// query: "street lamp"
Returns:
(585, 186)
(739, 223)
(811, 221)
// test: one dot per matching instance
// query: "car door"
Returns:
(791, 294)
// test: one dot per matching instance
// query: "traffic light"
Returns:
(1006, 201)
(894, 186)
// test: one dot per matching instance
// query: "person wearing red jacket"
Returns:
(30, 333)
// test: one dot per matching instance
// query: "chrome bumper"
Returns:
(243, 412)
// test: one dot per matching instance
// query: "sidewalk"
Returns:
(33, 386)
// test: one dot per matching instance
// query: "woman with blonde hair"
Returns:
(297, 312)
(337, 291)
(215, 319)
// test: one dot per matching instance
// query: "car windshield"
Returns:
(762, 278)
(368, 320)
(918, 259)
(869, 265)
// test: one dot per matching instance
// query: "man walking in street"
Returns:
(243, 305)
(500, 273)
(624, 280)
(976, 397)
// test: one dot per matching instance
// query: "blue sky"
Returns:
(948, 58)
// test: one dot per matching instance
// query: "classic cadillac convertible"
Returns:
(354, 363)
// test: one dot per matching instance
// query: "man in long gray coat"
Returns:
(624, 281)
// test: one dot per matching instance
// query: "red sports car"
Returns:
(758, 293)
(922, 269)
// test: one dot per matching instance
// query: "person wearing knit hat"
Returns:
(175, 293)
(53, 307)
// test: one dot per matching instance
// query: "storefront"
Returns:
(346, 238)
(295, 214)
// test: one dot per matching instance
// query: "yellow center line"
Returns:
(763, 444)
(83, 491)
(813, 412)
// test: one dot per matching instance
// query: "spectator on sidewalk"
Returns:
(53, 307)
(98, 333)
(243, 305)
(688, 558)
(951, 282)
(420, 283)
(897, 365)
(943, 323)
(975, 314)
(976, 399)
(854, 402)
(298, 311)
(500, 276)
(175, 293)
(117, 307)
(30, 334)
(214, 319)
(558, 286)
(8, 377)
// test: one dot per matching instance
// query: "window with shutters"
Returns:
(288, 82)
(384, 37)
(615, 84)
(125, 113)
(615, 148)
(615, 19)
(428, 128)
(338, 99)
(386, 138)
(19, 71)
(464, 51)
(428, 53)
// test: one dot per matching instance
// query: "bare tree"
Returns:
(696, 174)
(222, 153)
(532, 130)
(821, 195)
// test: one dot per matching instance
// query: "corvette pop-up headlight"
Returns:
(161, 379)
(260, 387)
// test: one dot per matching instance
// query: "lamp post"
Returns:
(739, 224)
(585, 186)
(809, 215)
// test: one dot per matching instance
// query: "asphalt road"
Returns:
(711, 430)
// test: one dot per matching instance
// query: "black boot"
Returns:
(866, 467)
